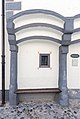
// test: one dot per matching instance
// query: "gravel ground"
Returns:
(41, 110)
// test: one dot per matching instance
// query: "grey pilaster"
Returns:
(13, 98)
(9, 14)
(69, 25)
(63, 96)
(68, 30)
(66, 39)
(63, 50)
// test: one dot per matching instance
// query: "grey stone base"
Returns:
(37, 97)
(13, 99)
(32, 96)
(63, 99)
(73, 94)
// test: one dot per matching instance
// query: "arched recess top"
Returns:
(12, 30)
(38, 37)
(37, 11)
(39, 25)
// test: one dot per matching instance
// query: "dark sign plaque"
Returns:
(75, 55)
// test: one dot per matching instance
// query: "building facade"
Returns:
(44, 57)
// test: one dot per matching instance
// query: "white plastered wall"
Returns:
(30, 76)
(64, 7)
(7, 62)
(74, 67)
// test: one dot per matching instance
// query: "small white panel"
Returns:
(74, 62)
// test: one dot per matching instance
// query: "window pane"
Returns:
(44, 61)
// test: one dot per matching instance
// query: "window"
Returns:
(44, 60)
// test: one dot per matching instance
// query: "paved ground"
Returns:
(41, 110)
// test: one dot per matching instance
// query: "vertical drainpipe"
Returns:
(3, 51)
